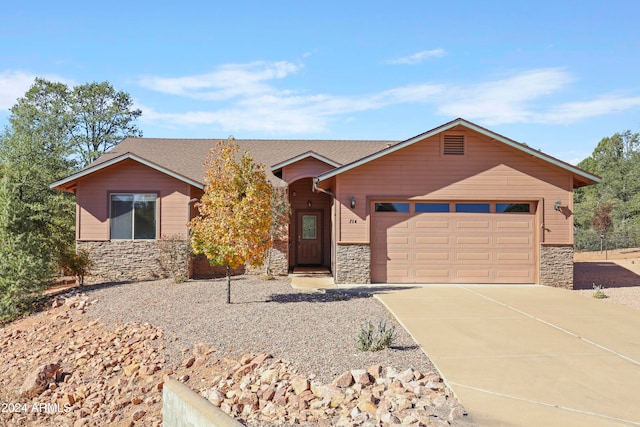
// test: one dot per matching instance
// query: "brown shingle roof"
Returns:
(186, 156)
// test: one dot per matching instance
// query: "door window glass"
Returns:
(309, 227)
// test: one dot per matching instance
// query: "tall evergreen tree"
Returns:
(25, 265)
(617, 160)
(53, 130)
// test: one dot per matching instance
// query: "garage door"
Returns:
(463, 246)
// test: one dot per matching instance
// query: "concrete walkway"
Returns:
(528, 355)
(311, 282)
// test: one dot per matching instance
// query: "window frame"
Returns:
(133, 194)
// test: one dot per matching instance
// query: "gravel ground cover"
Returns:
(316, 331)
(618, 272)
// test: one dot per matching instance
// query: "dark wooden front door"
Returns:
(309, 237)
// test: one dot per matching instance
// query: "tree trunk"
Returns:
(228, 285)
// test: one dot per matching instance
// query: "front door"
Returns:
(309, 238)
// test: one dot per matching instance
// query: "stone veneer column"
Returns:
(124, 260)
(556, 266)
(279, 260)
(353, 263)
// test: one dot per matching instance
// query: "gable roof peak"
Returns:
(586, 178)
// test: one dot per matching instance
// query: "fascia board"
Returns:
(119, 159)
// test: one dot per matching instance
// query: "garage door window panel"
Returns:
(391, 207)
(473, 207)
(432, 207)
(513, 208)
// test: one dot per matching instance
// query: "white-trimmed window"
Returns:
(133, 216)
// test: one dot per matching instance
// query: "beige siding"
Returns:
(489, 171)
(305, 168)
(92, 197)
(453, 248)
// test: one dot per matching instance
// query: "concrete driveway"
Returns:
(528, 355)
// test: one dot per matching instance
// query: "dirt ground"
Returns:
(617, 271)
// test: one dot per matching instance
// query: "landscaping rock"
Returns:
(39, 380)
(120, 380)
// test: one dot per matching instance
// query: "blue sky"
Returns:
(557, 75)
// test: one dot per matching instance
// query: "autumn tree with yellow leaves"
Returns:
(235, 219)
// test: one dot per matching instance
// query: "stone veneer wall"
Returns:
(353, 263)
(129, 260)
(556, 266)
(124, 260)
(279, 260)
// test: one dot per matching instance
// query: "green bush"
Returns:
(77, 264)
(372, 339)
(24, 274)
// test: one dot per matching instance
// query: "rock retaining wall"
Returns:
(125, 260)
(556, 266)
(353, 262)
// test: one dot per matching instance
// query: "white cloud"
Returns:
(506, 100)
(572, 112)
(418, 57)
(14, 84)
(227, 82)
(290, 113)
(247, 99)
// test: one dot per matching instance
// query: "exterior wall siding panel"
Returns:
(129, 176)
(489, 171)
(305, 168)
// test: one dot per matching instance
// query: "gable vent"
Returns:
(453, 145)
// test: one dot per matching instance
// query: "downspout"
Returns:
(334, 224)
(190, 260)
(191, 202)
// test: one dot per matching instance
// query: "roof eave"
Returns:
(68, 182)
(308, 154)
(549, 159)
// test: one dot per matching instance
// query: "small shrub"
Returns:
(77, 264)
(598, 292)
(372, 339)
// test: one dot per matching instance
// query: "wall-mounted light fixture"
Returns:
(309, 204)
(353, 202)
(557, 204)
